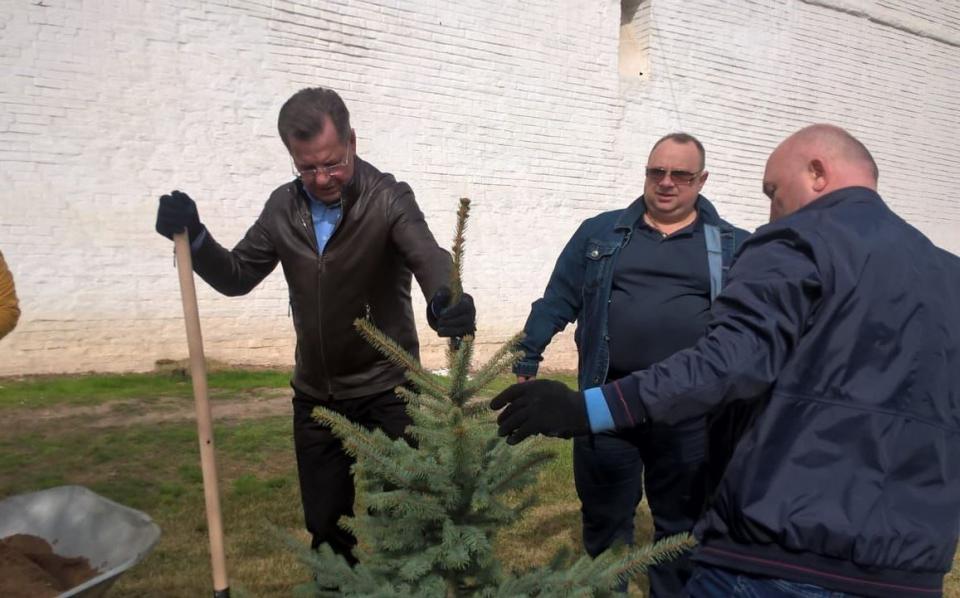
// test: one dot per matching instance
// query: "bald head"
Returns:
(813, 162)
(840, 147)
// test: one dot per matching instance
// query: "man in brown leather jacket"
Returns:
(348, 237)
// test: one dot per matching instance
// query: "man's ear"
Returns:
(818, 175)
(353, 138)
(703, 180)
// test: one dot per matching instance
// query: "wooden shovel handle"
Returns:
(198, 373)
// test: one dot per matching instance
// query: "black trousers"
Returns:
(326, 484)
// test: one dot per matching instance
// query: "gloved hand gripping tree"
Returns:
(430, 507)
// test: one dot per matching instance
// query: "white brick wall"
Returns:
(520, 106)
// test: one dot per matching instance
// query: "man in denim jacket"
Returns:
(639, 283)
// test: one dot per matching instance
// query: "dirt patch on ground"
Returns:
(254, 404)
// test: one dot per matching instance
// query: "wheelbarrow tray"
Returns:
(79, 522)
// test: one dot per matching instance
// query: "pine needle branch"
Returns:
(521, 467)
(366, 445)
(641, 558)
(423, 401)
(505, 356)
(331, 568)
(386, 345)
(456, 273)
(459, 368)
(397, 355)
(428, 384)
(477, 410)
(406, 394)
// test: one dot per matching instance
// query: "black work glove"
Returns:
(451, 320)
(176, 213)
(543, 407)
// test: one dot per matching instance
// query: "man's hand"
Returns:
(177, 212)
(448, 320)
(543, 407)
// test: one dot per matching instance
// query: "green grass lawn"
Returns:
(96, 389)
(155, 468)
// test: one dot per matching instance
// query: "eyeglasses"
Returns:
(679, 177)
(332, 169)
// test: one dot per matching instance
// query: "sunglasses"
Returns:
(679, 177)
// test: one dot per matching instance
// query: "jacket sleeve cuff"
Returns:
(598, 413)
(526, 368)
(623, 401)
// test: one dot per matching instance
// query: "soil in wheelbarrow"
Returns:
(30, 569)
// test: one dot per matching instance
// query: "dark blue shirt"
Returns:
(660, 297)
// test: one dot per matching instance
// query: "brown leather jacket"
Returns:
(364, 272)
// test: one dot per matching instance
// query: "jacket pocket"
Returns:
(596, 263)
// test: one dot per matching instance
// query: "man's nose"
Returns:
(322, 177)
(667, 180)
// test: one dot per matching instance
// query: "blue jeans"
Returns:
(609, 474)
(713, 582)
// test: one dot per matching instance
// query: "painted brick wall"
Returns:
(520, 106)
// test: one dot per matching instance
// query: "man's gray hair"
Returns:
(303, 115)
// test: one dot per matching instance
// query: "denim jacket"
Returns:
(579, 288)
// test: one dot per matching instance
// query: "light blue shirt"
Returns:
(325, 219)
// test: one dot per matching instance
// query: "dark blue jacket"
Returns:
(842, 323)
(579, 288)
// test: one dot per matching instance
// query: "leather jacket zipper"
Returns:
(322, 265)
(311, 235)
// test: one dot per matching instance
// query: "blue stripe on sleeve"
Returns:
(601, 420)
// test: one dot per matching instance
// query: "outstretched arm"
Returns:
(234, 272)
(757, 321)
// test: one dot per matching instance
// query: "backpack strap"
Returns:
(729, 242)
(715, 259)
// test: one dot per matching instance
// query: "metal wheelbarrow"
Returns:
(79, 522)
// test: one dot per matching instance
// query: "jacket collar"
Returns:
(353, 188)
(634, 212)
(845, 194)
